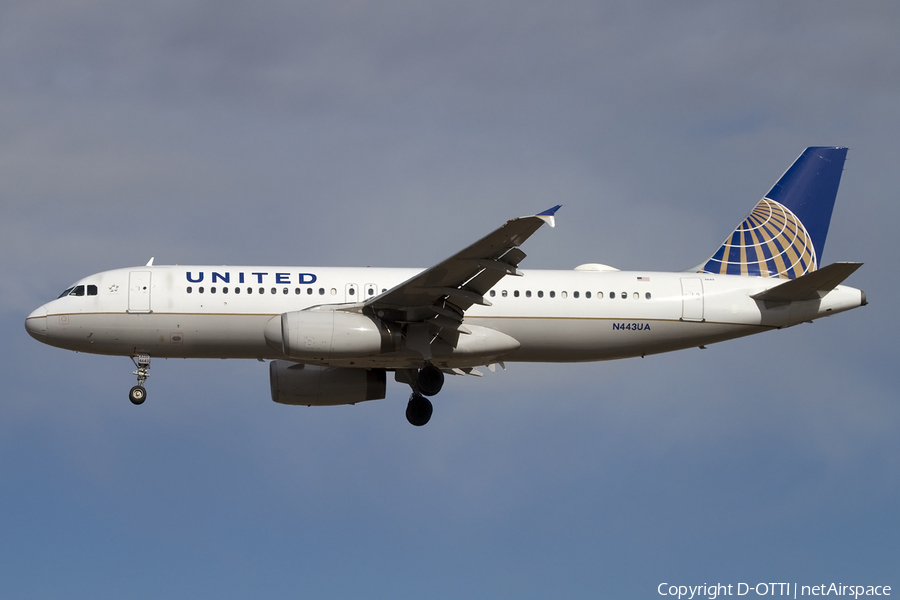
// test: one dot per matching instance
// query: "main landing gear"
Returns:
(418, 410)
(427, 382)
(138, 394)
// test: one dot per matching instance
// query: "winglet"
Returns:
(548, 215)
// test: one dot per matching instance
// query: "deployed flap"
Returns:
(449, 288)
(810, 286)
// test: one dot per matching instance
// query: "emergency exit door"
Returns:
(691, 299)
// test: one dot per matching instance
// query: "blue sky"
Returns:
(394, 134)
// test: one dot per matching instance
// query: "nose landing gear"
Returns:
(138, 394)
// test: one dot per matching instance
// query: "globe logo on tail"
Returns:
(771, 242)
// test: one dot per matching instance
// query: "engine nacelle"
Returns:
(321, 335)
(314, 385)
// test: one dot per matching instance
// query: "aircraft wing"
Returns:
(438, 297)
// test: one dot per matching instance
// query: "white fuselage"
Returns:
(555, 316)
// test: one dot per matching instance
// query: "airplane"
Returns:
(332, 334)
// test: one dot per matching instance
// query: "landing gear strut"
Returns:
(138, 394)
(426, 381)
(419, 409)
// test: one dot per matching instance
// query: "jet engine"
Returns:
(314, 385)
(320, 335)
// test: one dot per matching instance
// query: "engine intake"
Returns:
(314, 385)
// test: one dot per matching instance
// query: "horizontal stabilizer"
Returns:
(810, 286)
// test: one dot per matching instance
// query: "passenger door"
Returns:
(139, 292)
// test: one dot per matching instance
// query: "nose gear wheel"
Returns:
(138, 394)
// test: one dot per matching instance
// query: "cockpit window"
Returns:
(65, 293)
(92, 290)
(78, 290)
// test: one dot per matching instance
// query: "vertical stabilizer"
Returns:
(785, 234)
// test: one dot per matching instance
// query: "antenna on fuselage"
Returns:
(150, 262)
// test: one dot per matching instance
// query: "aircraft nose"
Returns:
(36, 324)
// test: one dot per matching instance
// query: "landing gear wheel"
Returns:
(430, 380)
(137, 395)
(419, 409)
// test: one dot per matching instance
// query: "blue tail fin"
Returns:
(785, 234)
